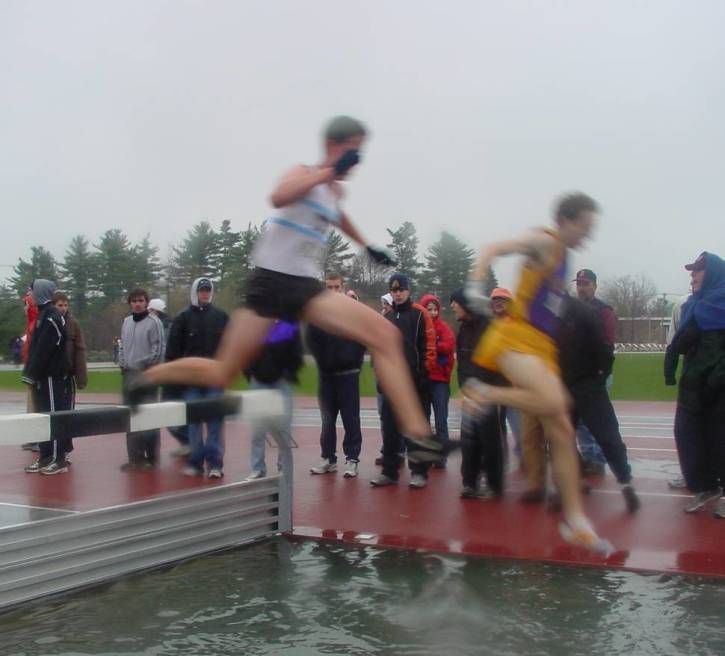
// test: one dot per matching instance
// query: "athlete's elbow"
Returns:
(278, 199)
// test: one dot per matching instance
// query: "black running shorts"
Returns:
(277, 295)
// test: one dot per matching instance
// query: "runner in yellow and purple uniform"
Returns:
(523, 348)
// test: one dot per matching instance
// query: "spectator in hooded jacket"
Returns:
(700, 414)
(197, 332)
(142, 346)
(339, 362)
(439, 375)
(46, 371)
(416, 331)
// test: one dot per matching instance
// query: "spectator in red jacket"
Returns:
(439, 374)
(31, 316)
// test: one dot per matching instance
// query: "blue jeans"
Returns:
(440, 394)
(259, 431)
(210, 451)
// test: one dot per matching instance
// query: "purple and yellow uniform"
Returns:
(533, 317)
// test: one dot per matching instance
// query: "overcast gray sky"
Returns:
(150, 116)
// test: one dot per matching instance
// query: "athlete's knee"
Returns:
(384, 336)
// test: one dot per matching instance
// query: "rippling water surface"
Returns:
(307, 598)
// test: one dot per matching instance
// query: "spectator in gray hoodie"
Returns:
(142, 346)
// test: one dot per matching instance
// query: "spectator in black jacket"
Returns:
(339, 362)
(483, 439)
(586, 357)
(197, 332)
(419, 349)
(276, 368)
(47, 372)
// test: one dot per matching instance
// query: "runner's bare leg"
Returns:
(243, 338)
(344, 317)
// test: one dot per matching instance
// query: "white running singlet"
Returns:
(294, 240)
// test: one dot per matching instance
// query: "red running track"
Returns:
(660, 537)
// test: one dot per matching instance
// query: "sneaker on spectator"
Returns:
(701, 499)
(215, 472)
(33, 468)
(383, 481)
(256, 475)
(677, 484)
(720, 510)
(350, 469)
(482, 492)
(192, 472)
(325, 467)
(30, 446)
(54, 468)
(180, 452)
(417, 482)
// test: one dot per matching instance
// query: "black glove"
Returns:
(136, 388)
(347, 160)
(381, 256)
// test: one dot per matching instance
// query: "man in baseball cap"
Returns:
(500, 299)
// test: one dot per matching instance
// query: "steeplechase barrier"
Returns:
(78, 549)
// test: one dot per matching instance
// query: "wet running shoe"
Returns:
(701, 499)
(215, 473)
(136, 388)
(720, 510)
(325, 467)
(429, 449)
(630, 498)
(677, 484)
(585, 537)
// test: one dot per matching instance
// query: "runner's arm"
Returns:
(295, 184)
(534, 244)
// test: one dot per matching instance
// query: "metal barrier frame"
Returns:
(61, 554)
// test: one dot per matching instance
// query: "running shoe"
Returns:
(192, 472)
(701, 499)
(350, 469)
(677, 484)
(720, 510)
(630, 498)
(429, 449)
(383, 481)
(215, 472)
(54, 468)
(325, 467)
(417, 482)
(586, 538)
(256, 475)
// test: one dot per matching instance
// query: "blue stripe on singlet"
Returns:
(308, 232)
(325, 212)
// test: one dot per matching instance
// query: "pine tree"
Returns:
(198, 255)
(404, 244)
(337, 258)
(448, 262)
(115, 262)
(147, 265)
(42, 265)
(229, 245)
(79, 271)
